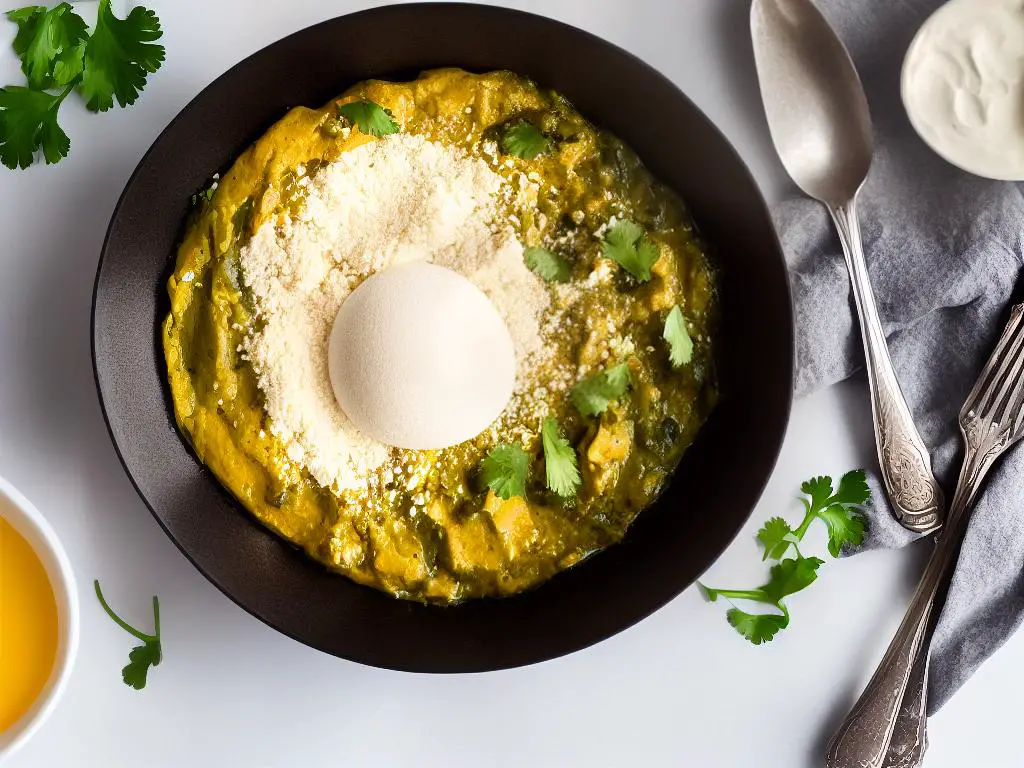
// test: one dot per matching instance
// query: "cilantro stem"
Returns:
(756, 595)
(156, 617)
(125, 625)
(808, 519)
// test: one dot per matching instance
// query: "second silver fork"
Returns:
(991, 421)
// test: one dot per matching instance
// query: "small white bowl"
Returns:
(27, 521)
(964, 24)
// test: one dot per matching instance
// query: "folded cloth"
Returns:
(945, 252)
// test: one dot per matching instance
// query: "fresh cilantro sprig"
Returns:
(525, 140)
(58, 56)
(550, 266)
(787, 578)
(141, 657)
(594, 394)
(369, 117)
(840, 510)
(561, 470)
(627, 245)
(680, 345)
(504, 470)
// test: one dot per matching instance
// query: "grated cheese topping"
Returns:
(386, 202)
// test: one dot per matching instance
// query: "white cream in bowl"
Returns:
(963, 86)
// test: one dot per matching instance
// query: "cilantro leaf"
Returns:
(27, 20)
(853, 489)
(504, 470)
(845, 526)
(626, 245)
(370, 118)
(119, 56)
(593, 395)
(28, 123)
(789, 576)
(757, 627)
(563, 475)
(680, 345)
(51, 44)
(548, 265)
(141, 657)
(820, 491)
(525, 140)
(775, 535)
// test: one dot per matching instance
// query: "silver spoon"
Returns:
(819, 120)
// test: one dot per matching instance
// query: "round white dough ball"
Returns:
(420, 358)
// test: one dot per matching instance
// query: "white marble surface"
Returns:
(679, 689)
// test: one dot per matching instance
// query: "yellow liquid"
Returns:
(28, 626)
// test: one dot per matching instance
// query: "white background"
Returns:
(679, 689)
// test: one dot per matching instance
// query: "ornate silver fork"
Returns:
(991, 421)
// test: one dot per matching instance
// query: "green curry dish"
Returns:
(525, 140)
(370, 118)
(627, 245)
(512, 507)
(593, 395)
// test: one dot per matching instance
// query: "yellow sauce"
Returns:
(28, 626)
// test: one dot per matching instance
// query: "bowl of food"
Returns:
(38, 619)
(431, 354)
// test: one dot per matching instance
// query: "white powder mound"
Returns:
(390, 201)
(392, 378)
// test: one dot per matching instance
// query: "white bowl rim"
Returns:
(912, 117)
(30, 523)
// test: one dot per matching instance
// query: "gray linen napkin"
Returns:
(945, 251)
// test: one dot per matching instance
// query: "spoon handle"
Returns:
(906, 466)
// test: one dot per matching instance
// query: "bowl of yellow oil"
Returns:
(38, 619)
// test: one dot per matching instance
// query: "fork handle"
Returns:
(863, 739)
(910, 736)
(906, 466)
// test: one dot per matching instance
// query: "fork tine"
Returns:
(988, 375)
(1014, 397)
(993, 389)
(1016, 413)
(1015, 408)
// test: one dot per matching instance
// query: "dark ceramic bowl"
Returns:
(714, 489)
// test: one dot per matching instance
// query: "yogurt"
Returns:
(963, 86)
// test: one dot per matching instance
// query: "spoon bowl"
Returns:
(817, 111)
